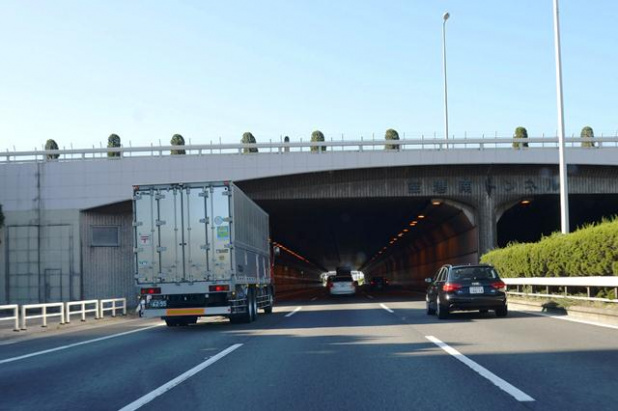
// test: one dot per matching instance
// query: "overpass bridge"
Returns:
(397, 212)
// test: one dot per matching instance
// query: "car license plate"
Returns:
(476, 290)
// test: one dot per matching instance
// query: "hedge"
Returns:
(590, 251)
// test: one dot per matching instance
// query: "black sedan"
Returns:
(466, 288)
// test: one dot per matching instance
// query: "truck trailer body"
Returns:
(201, 249)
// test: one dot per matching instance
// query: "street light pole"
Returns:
(564, 188)
(444, 18)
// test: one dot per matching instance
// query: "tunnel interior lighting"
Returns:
(405, 230)
(413, 223)
(436, 202)
(421, 216)
(300, 257)
(400, 235)
(525, 202)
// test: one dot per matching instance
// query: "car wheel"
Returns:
(430, 311)
(502, 311)
(441, 310)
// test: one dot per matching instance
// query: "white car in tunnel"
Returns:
(342, 284)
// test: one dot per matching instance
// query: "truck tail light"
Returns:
(450, 287)
(151, 290)
(218, 288)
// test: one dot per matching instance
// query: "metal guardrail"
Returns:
(14, 317)
(63, 310)
(323, 148)
(83, 311)
(111, 305)
(44, 314)
(564, 283)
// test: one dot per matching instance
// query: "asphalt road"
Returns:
(375, 351)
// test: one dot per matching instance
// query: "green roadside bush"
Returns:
(590, 251)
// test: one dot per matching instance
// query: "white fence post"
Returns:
(83, 309)
(44, 315)
(15, 316)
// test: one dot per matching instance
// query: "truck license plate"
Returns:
(476, 290)
(158, 303)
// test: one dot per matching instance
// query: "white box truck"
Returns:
(201, 249)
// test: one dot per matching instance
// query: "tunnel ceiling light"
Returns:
(436, 202)
(405, 230)
(525, 202)
(391, 242)
(413, 223)
(421, 216)
(400, 235)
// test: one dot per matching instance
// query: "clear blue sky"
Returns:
(76, 71)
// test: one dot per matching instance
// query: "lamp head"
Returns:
(446, 16)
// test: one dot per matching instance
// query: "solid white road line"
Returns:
(386, 308)
(573, 320)
(185, 376)
(293, 312)
(65, 347)
(484, 372)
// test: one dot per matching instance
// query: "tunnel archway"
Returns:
(530, 218)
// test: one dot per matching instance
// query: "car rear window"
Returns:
(473, 273)
(342, 278)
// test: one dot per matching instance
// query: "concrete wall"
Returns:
(41, 257)
(108, 270)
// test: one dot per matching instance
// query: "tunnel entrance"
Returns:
(404, 239)
(532, 218)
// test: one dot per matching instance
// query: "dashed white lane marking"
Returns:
(386, 308)
(314, 298)
(484, 372)
(370, 296)
(293, 312)
(185, 376)
(65, 347)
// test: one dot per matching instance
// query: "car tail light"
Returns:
(218, 288)
(152, 290)
(450, 287)
(499, 285)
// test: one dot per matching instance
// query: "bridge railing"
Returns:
(575, 288)
(318, 148)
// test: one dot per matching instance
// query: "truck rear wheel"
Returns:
(250, 309)
(252, 303)
(268, 308)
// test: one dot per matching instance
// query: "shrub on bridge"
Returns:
(318, 136)
(391, 134)
(590, 251)
(520, 133)
(247, 138)
(113, 141)
(51, 145)
(587, 132)
(177, 140)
